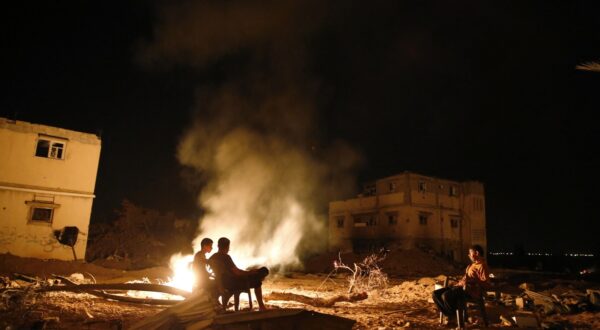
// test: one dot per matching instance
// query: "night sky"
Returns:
(469, 90)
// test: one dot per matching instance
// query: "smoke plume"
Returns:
(255, 135)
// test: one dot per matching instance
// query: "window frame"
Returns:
(364, 220)
(423, 219)
(453, 190)
(422, 186)
(53, 151)
(454, 222)
(33, 210)
(392, 218)
(340, 221)
(392, 186)
(44, 203)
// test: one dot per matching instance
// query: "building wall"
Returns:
(22, 237)
(412, 210)
(64, 185)
(76, 172)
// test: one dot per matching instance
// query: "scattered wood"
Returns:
(26, 278)
(196, 312)
(316, 301)
(119, 286)
(146, 301)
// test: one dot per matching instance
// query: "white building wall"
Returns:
(65, 185)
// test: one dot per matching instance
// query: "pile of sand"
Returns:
(409, 291)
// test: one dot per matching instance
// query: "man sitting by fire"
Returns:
(229, 277)
(203, 276)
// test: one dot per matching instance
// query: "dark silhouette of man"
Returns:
(199, 266)
(229, 277)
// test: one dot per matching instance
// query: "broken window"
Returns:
(423, 219)
(370, 189)
(42, 209)
(392, 219)
(365, 220)
(392, 186)
(50, 147)
(340, 221)
(422, 186)
(453, 222)
(453, 191)
(42, 214)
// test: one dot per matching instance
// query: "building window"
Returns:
(392, 219)
(42, 214)
(370, 189)
(340, 221)
(453, 191)
(422, 186)
(423, 219)
(42, 209)
(365, 220)
(454, 223)
(392, 186)
(50, 148)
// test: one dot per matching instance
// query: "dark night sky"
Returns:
(471, 90)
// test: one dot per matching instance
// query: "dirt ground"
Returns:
(404, 303)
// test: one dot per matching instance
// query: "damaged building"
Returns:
(47, 180)
(411, 210)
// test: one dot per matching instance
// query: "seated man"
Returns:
(475, 279)
(231, 278)
(199, 267)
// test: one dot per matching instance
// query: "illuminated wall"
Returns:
(47, 180)
(408, 210)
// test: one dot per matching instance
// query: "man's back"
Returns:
(222, 265)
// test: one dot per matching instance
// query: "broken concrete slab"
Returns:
(594, 297)
(524, 321)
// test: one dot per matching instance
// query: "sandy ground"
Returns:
(404, 303)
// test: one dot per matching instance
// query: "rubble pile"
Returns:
(523, 306)
(28, 302)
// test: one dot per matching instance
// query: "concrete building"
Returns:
(411, 210)
(47, 180)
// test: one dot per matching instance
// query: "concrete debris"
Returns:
(527, 286)
(506, 321)
(594, 297)
(524, 321)
(520, 302)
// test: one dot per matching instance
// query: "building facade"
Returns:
(47, 180)
(411, 210)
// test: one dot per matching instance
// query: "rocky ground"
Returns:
(403, 303)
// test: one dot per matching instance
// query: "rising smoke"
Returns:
(254, 134)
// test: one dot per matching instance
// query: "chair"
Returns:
(442, 314)
(227, 293)
(462, 310)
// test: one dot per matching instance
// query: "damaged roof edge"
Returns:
(27, 127)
